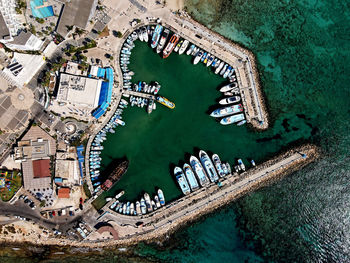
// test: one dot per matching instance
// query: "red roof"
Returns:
(63, 193)
(41, 168)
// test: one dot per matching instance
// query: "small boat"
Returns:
(252, 162)
(150, 106)
(132, 209)
(228, 167)
(241, 123)
(124, 208)
(128, 208)
(148, 202)
(210, 60)
(134, 35)
(223, 70)
(121, 208)
(114, 205)
(229, 110)
(162, 40)
(218, 165)
(199, 171)
(195, 51)
(208, 166)
(228, 70)
(143, 206)
(176, 49)
(140, 34)
(161, 197)
(156, 199)
(153, 204)
(183, 47)
(204, 56)
(232, 119)
(165, 102)
(218, 69)
(190, 50)
(138, 208)
(205, 61)
(171, 45)
(181, 180)
(191, 178)
(145, 34)
(119, 195)
(230, 100)
(198, 57)
(241, 164)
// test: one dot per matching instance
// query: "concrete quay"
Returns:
(205, 200)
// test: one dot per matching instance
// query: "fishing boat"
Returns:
(171, 45)
(179, 44)
(138, 208)
(230, 100)
(229, 110)
(161, 197)
(218, 165)
(143, 206)
(181, 180)
(183, 47)
(165, 102)
(162, 40)
(241, 164)
(148, 202)
(191, 178)
(208, 166)
(156, 36)
(198, 57)
(190, 50)
(232, 119)
(198, 169)
(115, 176)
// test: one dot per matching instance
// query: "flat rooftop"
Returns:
(79, 90)
(76, 13)
(4, 31)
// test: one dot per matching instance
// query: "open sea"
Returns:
(303, 53)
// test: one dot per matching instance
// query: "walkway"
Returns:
(140, 94)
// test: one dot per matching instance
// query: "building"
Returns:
(63, 192)
(25, 41)
(79, 90)
(4, 31)
(34, 152)
(76, 13)
(9, 18)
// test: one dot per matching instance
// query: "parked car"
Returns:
(50, 215)
(53, 213)
(59, 213)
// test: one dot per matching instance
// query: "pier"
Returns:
(206, 199)
(140, 94)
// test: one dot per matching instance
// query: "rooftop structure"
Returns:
(79, 90)
(4, 31)
(35, 145)
(25, 41)
(23, 67)
(76, 13)
(68, 171)
(30, 181)
(41, 168)
(9, 14)
(63, 193)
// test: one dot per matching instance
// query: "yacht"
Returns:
(208, 166)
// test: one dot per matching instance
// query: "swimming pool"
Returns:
(42, 12)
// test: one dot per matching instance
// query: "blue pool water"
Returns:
(42, 12)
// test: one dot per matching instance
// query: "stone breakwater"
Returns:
(158, 227)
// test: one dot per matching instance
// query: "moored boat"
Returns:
(190, 50)
(165, 102)
(198, 169)
(198, 57)
(138, 208)
(161, 197)
(191, 178)
(179, 44)
(183, 47)
(171, 45)
(162, 40)
(230, 100)
(232, 119)
(181, 180)
(229, 110)
(115, 176)
(241, 164)
(143, 206)
(208, 166)
(218, 69)
(218, 165)
(148, 202)
(156, 199)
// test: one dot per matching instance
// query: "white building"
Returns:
(25, 41)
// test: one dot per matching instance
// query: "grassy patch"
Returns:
(13, 181)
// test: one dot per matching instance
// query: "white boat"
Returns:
(218, 69)
(119, 195)
(132, 209)
(183, 47)
(148, 202)
(208, 166)
(143, 206)
(218, 165)
(181, 180)
(145, 34)
(198, 57)
(156, 199)
(191, 178)
(229, 87)
(190, 50)
(222, 72)
(161, 197)
(138, 208)
(230, 100)
(199, 171)
(140, 34)
(232, 119)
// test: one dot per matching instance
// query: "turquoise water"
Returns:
(42, 12)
